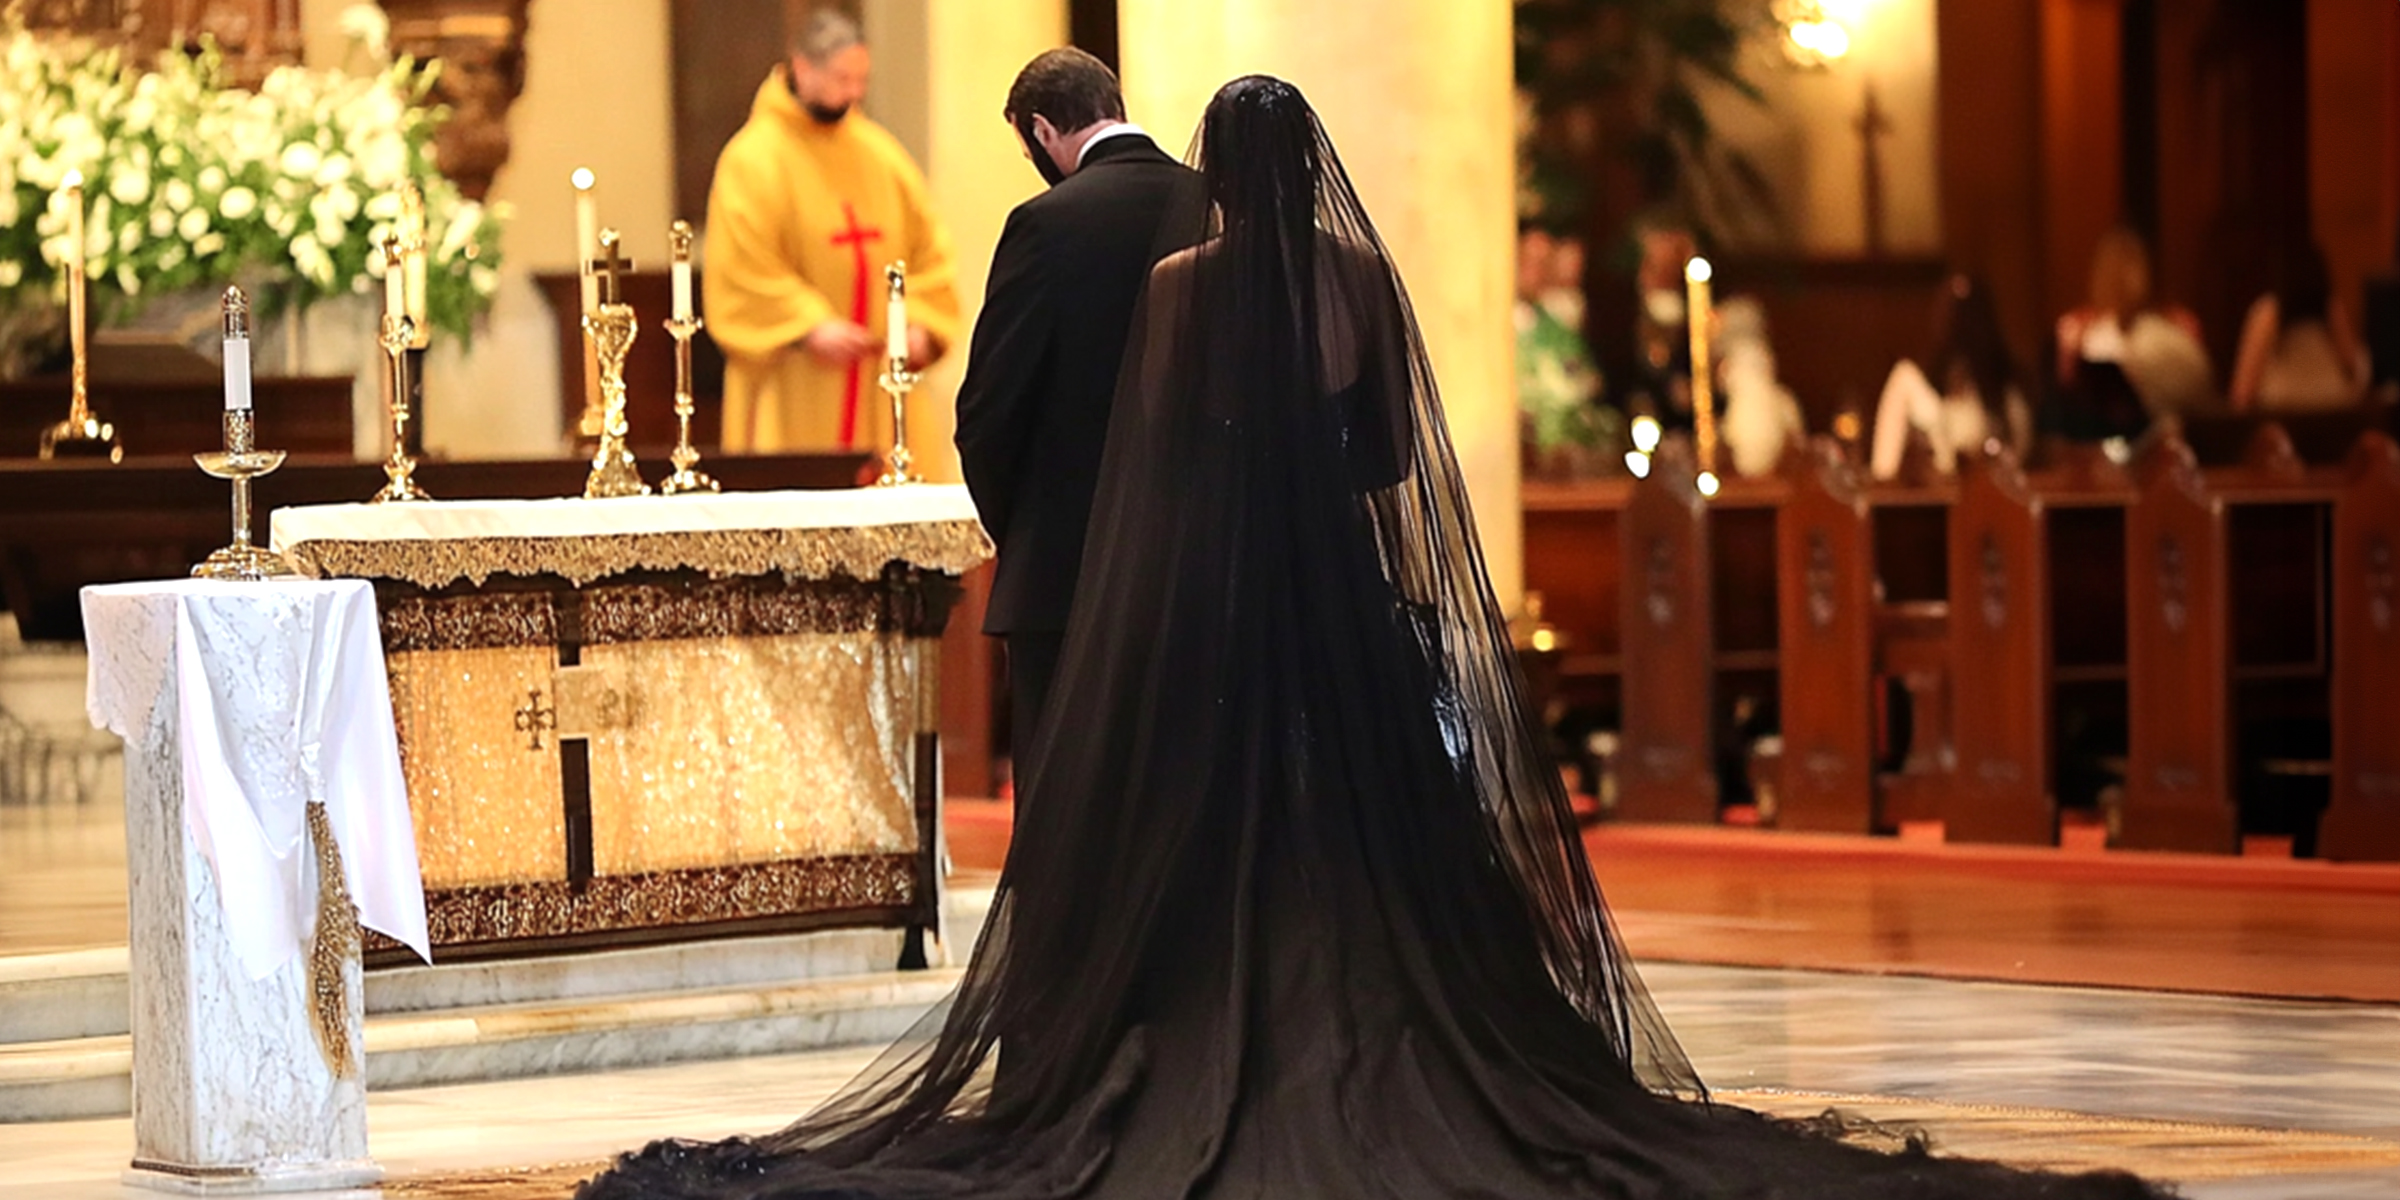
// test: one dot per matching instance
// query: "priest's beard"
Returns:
(826, 114)
(1041, 158)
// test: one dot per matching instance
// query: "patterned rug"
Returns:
(2026, 1137)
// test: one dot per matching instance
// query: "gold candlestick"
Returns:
(399, 333)
(241, 461)
(1699, 313)
(613, 329)
(81, 432)
(681, 326)
(399, 471)
(897, 379)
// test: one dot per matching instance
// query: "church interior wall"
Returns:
(1805, 136)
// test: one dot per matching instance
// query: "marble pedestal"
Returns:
(259, 754)
(231, 1093)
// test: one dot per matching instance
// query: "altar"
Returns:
(656, 719)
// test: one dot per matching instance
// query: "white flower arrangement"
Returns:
(194, 184)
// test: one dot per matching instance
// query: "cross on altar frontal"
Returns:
(609, 266)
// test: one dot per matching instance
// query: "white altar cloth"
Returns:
(280, 699)
(574, 517)
(853, 532)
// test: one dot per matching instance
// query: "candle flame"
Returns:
(1708, 483)
(73, 180)
(583, 179)
(1697, 270)
(1645, 433)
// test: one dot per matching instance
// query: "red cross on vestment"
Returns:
(856, 237)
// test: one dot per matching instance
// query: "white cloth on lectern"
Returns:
(280, 698)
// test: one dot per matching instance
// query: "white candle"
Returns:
(587, 236)
(679, 239)
(895, 322)
(395, 280)
(412, 246)
(237, 374)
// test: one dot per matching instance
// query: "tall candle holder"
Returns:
(241, 461)
(82, 433)
(1700, 313)
(399, 471)
(897, 380)
(681, 326)
(613, 329)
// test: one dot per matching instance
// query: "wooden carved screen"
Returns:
(256, 35)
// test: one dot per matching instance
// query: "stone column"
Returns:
(1417, 96)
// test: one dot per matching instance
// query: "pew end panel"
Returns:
(2179, 787)
(2362, 820)
(1665, 761)
(2000, 656)
(1825, 546)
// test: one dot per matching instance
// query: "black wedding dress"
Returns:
(1296, 907)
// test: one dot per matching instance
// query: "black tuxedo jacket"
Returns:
(1042, 367)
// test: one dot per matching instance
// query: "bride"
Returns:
(1296, 907)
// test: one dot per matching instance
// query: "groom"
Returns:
(1042, 368)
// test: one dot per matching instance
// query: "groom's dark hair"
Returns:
(1068, 86)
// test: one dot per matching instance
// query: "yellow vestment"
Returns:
(802, 219)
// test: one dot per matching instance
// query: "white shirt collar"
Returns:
(1112, 129)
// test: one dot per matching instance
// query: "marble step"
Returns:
(92, 1076)
(66, 994)
(67, 1056)
(82, 993)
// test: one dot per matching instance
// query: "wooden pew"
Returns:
(1665, 760)
(2179, 781)
(2000, 651)
(2363, 818)
(1825, 553)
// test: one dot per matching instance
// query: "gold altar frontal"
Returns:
(657, 719)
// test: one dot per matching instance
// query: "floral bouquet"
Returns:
(190, 184)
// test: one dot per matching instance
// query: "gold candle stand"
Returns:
(686, 478)
(81, 433)
(1700, 311)
(241, 461)
(400, 470)
(896, 382)
(613, 328)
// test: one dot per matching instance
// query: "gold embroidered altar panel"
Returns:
(746, 750)
(729, 723)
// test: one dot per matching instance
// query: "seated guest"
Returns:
(1556, 381)
(2298, 352)
(1978, 398)
(1761, 417)
(2155, 344)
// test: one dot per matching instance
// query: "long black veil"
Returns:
(1295, 905)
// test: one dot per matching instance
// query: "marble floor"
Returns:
(2220, 1060)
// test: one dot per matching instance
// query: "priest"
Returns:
(811, 199)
